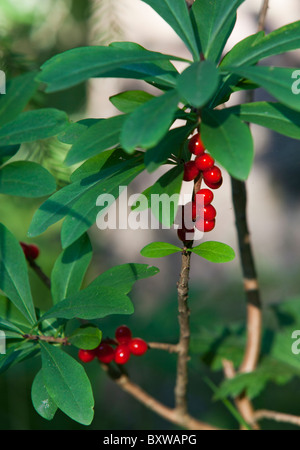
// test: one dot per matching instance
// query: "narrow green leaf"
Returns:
(10, 313)
(229, 140)
(175, 13)
(128, 101)
(42, 402)
(16, 354)
(14, 275)
(33, 125)
(79, 64)
(278, 81)
(69, 269)
(26, 179)
(18, 93)
(198, 83)
(146, 126)
(8, 152)
(159, 250)
(213, 23)
(282, 40)
(215, 252)
(86, 337)
(67, 384)
(275, 116)
(172, 143)
(99, 137)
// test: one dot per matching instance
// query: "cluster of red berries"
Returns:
(125, 344)
(204, 218)
(31, 251)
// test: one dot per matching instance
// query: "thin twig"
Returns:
(277, 416)
(185, 421)
(171, 348)
(184, 339)
(263, 16)
(45, 279)
(52, 339)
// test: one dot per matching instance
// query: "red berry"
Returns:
(86, 355)
(204, 162)
(122, 354)
(212, 175)
(214, 185)
(31, 251)
(196, 146)
(190, 171)
(105, 353)
(208, 212)
(205, 225)
(208, 196)
(123, 334)
(138, 347)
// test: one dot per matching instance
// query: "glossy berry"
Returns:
(105, 353)
(122, 354)
(138, 346)
(205, 225)
(31, 251)
(185, 231)
(86, 355)
(208, 196)
(208, 212)
(214, 185)
(190, 171)
(123, 334)
(204, 162)
(195, 145)
(185, 235)
(213, 175)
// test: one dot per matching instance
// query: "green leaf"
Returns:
(42, 402)
(10, 313)
(147, 125)
(250, 51)
(13, 274)
(86, 337)
(99, 137)
(6, 325)
(19, 92)
(79, 64)
(33, 125)
(275, 116)
(215, 252)
(172, 143)
(159, 250)
(278, 81)
(128, 101)
(176, 15)
(26, 179)
(67, 384)
(16, 354)
(105, 296)
(229, 141)
(69, 269)
(163, 196)
(8, 152)
(198, 83)
(213, 23)
(85, 211)
(96, 172)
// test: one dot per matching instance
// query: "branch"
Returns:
(154, 405)
(277, 416)
(52, 339)
(263, 16)
(184, 338)
(39, 272)
(171, 348)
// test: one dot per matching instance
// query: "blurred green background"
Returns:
(31, 32)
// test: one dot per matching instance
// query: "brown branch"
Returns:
(184, 338)
(277, 416)
(39, 272)
(185, 421)
(189, 3)
(171, 348)
(263, 16)
(52, 339)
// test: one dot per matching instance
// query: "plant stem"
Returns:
(40, 273)
(52, 339)
(171, 348)
(277, 416)
(184, 338)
